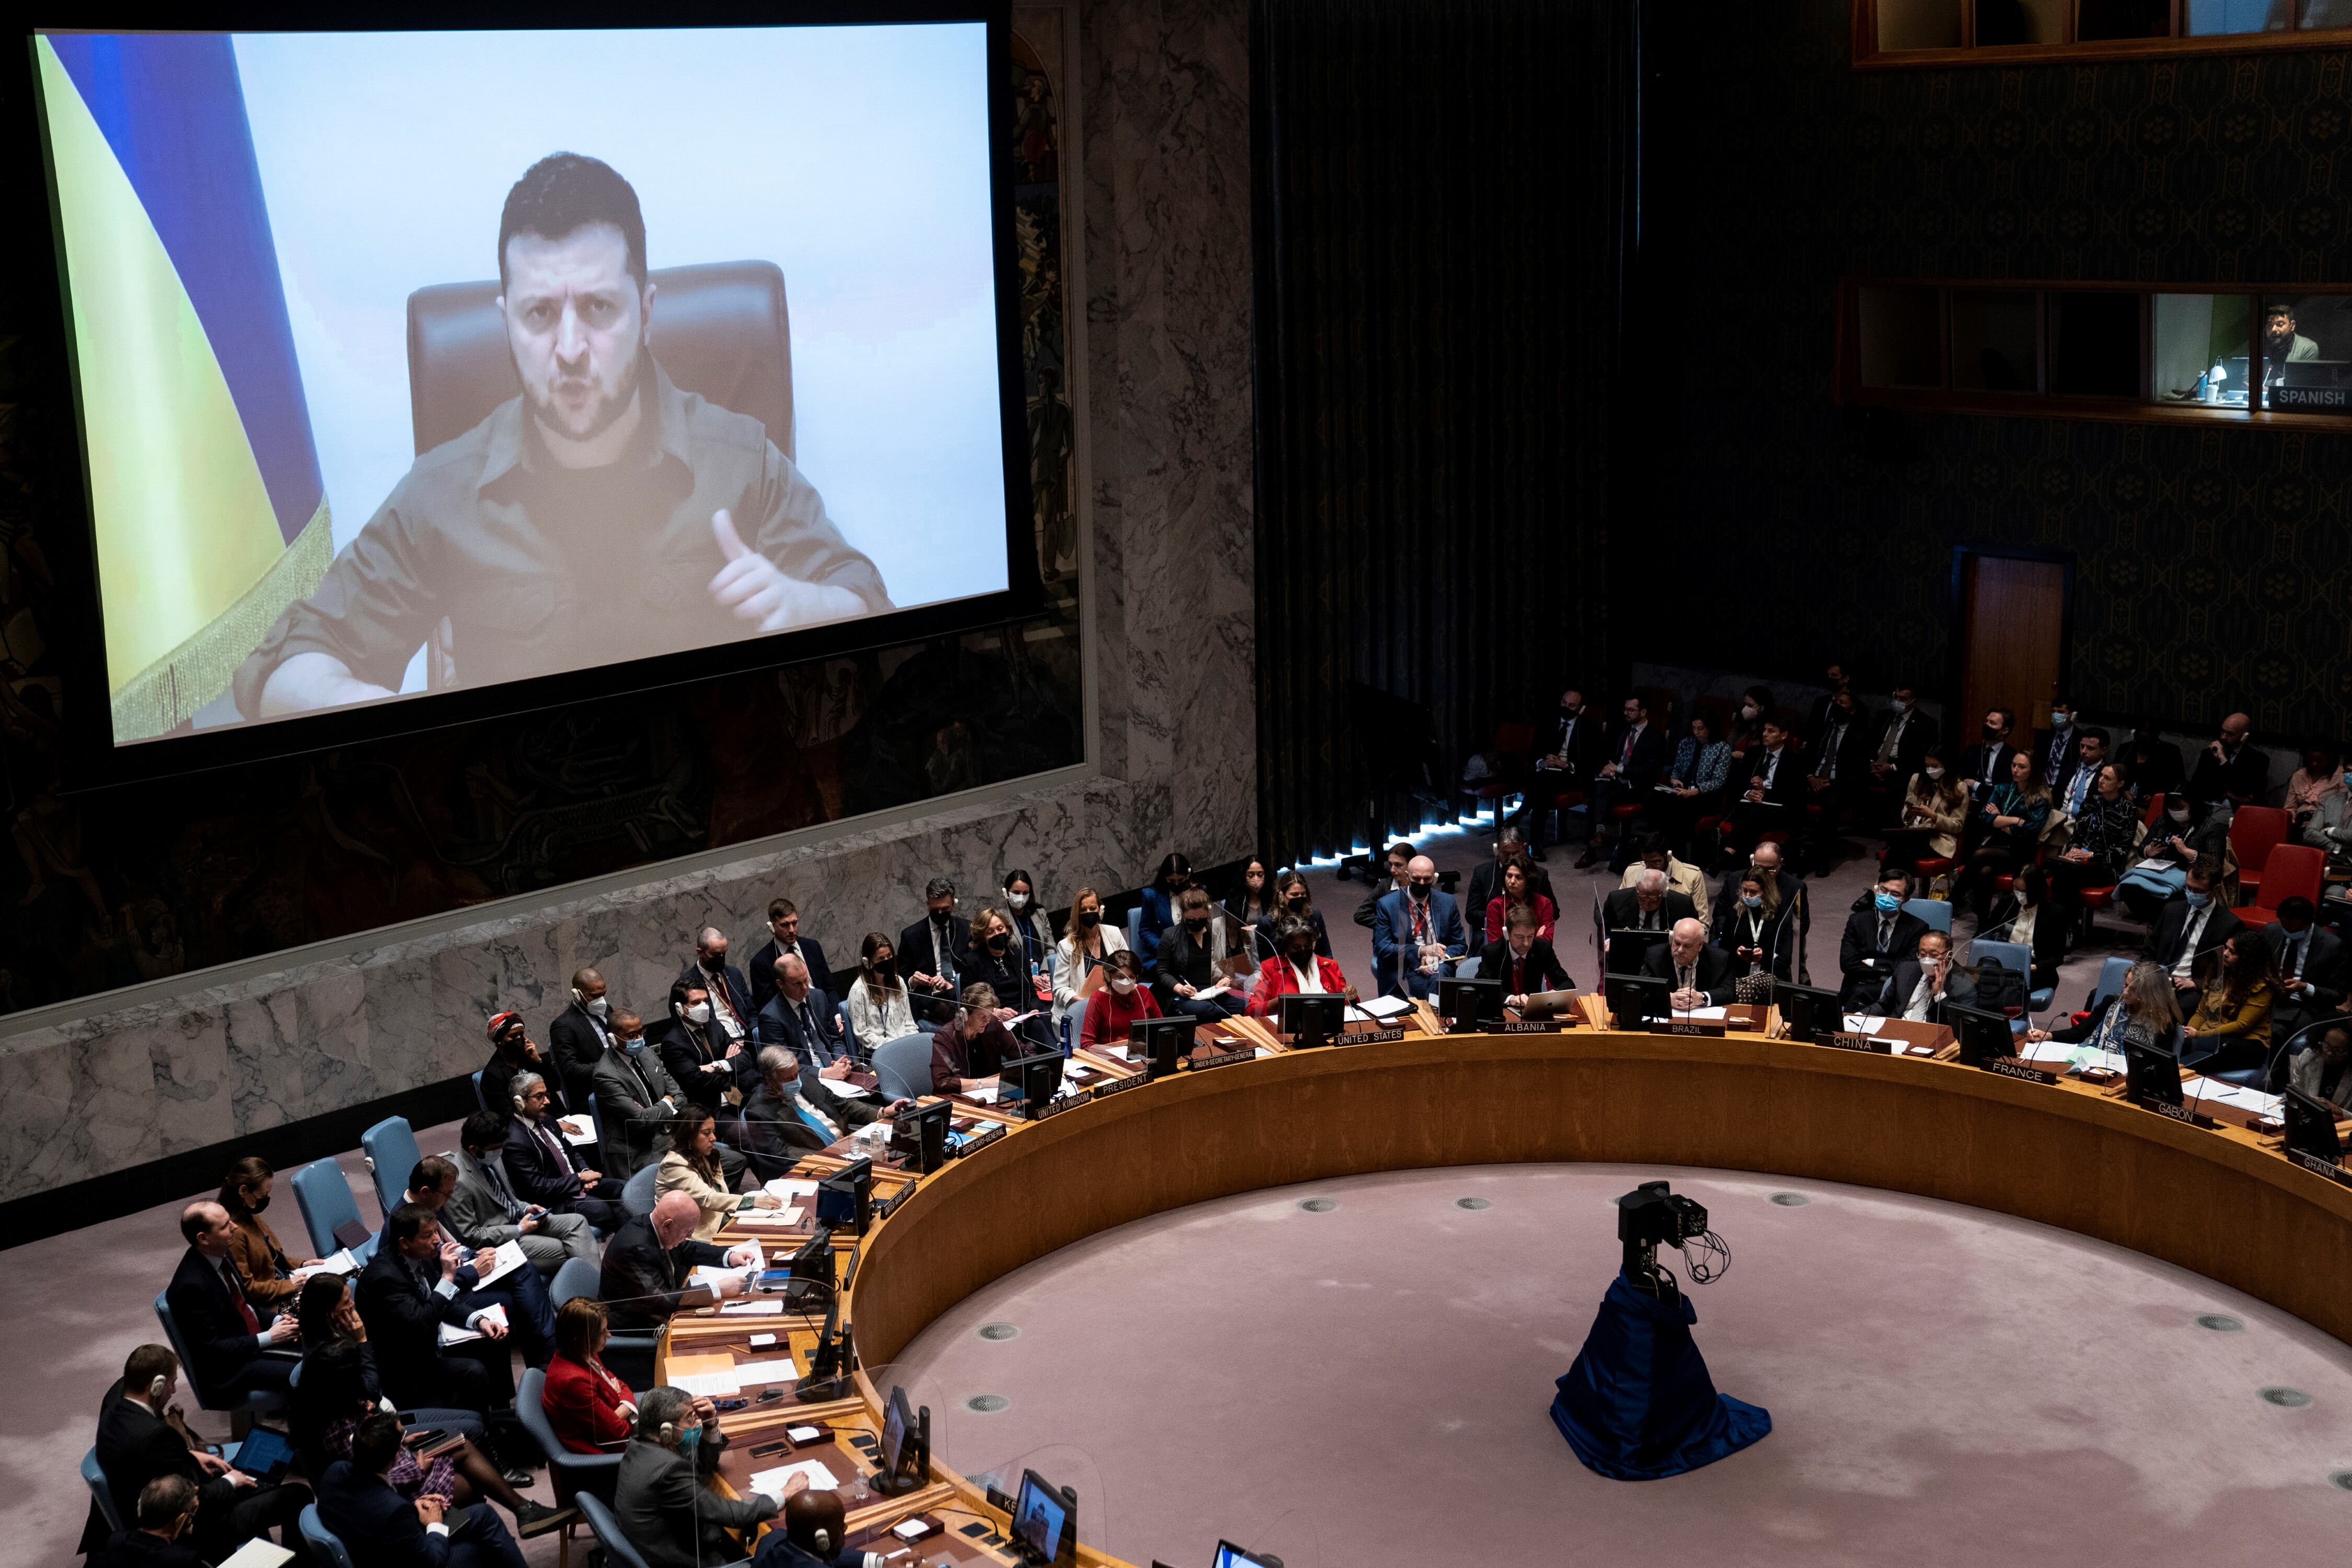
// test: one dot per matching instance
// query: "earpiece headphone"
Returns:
(518, 1102)
(576, 997)
(157, 1387)
(669, 1430)
(822, 1540)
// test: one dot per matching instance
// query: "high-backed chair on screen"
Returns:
(721, 330)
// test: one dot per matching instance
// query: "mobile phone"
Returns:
(729, 1404)
(772, 1394)
(764, 1449)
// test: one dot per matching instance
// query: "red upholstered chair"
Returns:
(2254, 831)
(2293, 871)
(2097, 899)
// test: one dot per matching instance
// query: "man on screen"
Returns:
(603, 515)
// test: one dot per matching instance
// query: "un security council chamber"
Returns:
(1177, 784)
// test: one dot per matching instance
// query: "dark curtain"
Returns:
(1444, 202)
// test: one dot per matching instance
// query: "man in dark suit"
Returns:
(635, 1101)
(784, 926)
(732, 1011)
(1986, 763)
(139, 1443)
(2229, 769)
(799, 1016)
(380, 1529)
(2055, 748)
(1486, 881)
(2190, 931)
(235, 1350)
(1578, 750)
(1925, 983)
(1400, 855)
(1522, 960)
(1648, 905)
(162, 1534)
(660, 1496)
(543, 1168)
(2309, 961)
(1898, 752)
(1411, 924)
(513, 1052)
(1703, 974)
(1878, 936)
(1840, 684)
(580, 1037)
(417, 1281)
(1837, 770)
(1638, 754)
(928, 949)
(649, 1259)
(522, 1293)
(1764, 799)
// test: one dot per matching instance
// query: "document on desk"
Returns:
(2052, 1051)
(2195, 1090)
(785, 1217)
(776, 1369)
(773, 1482)
(847, 1090)
(1705, 1015)
(258, 1552)
(341, 1263)
(577, 1130)
(770, 1307)
(984, 1093)
(452, 1334)
(788, 1188)
(706, 1274)
(1855, 1024)
(708, 1384)
(1385, 1007)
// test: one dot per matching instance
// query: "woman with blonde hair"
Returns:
(2146, 1012)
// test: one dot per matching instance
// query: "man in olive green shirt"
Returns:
(601, 516)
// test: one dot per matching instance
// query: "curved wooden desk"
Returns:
(2218, 1202)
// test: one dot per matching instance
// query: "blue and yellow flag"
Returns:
(210, 514)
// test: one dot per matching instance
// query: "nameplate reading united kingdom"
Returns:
(1056, 1107)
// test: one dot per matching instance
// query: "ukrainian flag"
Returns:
(210, 514)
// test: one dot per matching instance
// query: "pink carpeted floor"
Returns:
(1369, 1385)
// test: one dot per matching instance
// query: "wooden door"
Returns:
(2013, 642)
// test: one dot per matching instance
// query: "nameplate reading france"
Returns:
(2019, 1070)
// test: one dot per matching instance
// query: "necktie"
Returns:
(562, 1161)
(1625, 757)
(237, 1294)
(1683, 982)
(2301, 946)
(1421, 921)
(1886, 931)
(808, 1026)
(497, 1179)
(1518, 977)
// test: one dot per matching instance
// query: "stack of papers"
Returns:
(787, 1188)
(706, 1385)
(752, 1373)
(576, 1129)
(2213, 1091)
(786, 1216)
(770, 1307)
(451, 1335)
(1705, 1015)
(341, 1263)
(1855, 1024)
(772, 1482)
(1386, 1006)
(984, 1093)
(846, 1089)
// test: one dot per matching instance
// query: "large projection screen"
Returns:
(428, 374)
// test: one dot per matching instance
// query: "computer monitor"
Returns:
(813, 1264)
(1161, 1043)
(1232, 1556)
(1628, 948)
(1639, 1001)
(906, 1446)
(1314, 1019)
(845, 1200)
(920, 1136)
(1042, 1526)
(1809, 1012)
(2151, 1076)
(1029, 1081)
(1466, 1004)
(1984, 1037)
(2310, 1129)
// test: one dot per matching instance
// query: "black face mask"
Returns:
(1089, 919)
(715, 962)
(996, 943)
(883, 966)
(1302, 958)
(257, 1205)
(1196, 924)
(1300, 903)
(1422, 890)
(1991, 734)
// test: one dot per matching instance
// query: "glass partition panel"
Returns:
(2200, 350)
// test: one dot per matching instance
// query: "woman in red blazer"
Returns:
(1515, 890)
(1118, 1003)
(589, 1408)
(1294, 939)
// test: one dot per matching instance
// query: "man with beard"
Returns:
(599, 516)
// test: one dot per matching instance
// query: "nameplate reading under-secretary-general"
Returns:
(1203, 1064)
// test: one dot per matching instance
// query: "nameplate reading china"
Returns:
(1203, 1064)
(1855, 1043)
(2019, 1070)
(2318, 1166)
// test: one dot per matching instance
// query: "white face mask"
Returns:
(2178, 812)
(1018, 901)
(1933, 772)
(600, 1007)
(1903, 705)
(1747, 711)
(698, 1014)
(1121, 983)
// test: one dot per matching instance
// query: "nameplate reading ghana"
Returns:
(2019, 1070)
(2318, 1166)
(1855, 1043)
